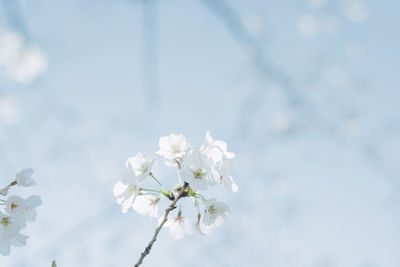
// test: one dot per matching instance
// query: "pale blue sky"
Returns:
(316, 131)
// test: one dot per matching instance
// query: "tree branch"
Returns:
(182, 193)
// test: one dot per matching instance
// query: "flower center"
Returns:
(143, 168)
(132, 189)
(212, 210)
(175, 149)
(198, 174)
(179, 219)
(5, 221)
(154, 202)
(14, 206)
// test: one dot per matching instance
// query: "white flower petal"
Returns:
(140, 165)
(24, 178)
(5, 249)
(146, 205)
(127, 203)
(34, 201)
(18, 240)
(215, 212)
(119, 189)
(178, 226)
(173, 148)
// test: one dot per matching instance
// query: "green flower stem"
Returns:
(201, 197)
(155, 179)
(148, 194)
(196, 195)
(150, 190)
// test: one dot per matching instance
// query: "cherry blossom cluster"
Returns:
(198, 169)
(16, 212)
(20, 60)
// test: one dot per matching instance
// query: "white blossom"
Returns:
(17, 206)
(173, 148)
(201, 227)
(24, 178)
(216, 149)
(146, 205)
(9, 233)
(126, 190)
(215, 212)
(140, 165)
(226, 179)
(126, 194)
(178, 226)
(199, 170)
(32, 203)
(19, 211)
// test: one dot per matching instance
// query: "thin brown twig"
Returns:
(182, 192)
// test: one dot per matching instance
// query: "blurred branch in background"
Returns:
(150, 51)
(13, 13)
(271, 75)
(268, 71)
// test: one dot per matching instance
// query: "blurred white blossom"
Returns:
(24, 178)
(356, 11)
(21, 61)
(9, 112)
(308, 25)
